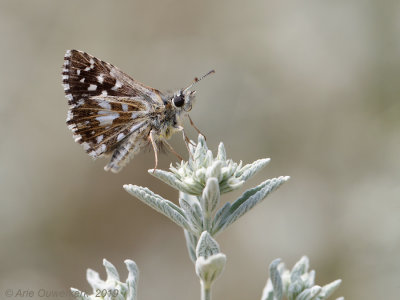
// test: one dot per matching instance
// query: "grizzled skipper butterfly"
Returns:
(110, 113)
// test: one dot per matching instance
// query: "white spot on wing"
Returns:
(104, 93)
(91, 65)
(65, 77)
(69, 97)
(68, 53)
(86, 146)
(70, 115)
(135, 115)
(99, 138)
(66, 86)
(82, 80)
(124, 106)
(100, 78)
(107, 119)
(117, 85)
(120, 136)
(105, 105)
(92, 87)
(78, 72)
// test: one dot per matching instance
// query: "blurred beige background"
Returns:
(312, 84)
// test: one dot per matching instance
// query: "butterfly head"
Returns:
(183, 99)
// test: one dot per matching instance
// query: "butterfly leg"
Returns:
(187, 141)
(172, 150)
(153, 143)
(185, 138)
(195, 127)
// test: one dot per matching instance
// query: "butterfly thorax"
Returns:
(165, 120)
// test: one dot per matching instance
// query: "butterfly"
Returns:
(110, 113)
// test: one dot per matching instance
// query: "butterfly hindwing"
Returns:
(100, 123)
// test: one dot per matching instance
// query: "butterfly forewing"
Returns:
(85, 75)
(106, 105)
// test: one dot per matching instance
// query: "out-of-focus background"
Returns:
(314, 85)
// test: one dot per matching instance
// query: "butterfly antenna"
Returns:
(196, 80)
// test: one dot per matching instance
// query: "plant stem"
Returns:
(205, 291)
(207, 222)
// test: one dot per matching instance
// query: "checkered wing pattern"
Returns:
(108, 110)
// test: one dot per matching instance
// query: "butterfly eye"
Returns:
(179, 100)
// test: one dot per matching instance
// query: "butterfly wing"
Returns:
(108, 109)
(85, 75)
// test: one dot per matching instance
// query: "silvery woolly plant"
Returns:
(296, 284)
(112, 288)
(201, 181)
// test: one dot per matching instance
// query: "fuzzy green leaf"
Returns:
(252, 197)
(167, 208)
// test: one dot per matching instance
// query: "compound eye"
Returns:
(179, 100)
